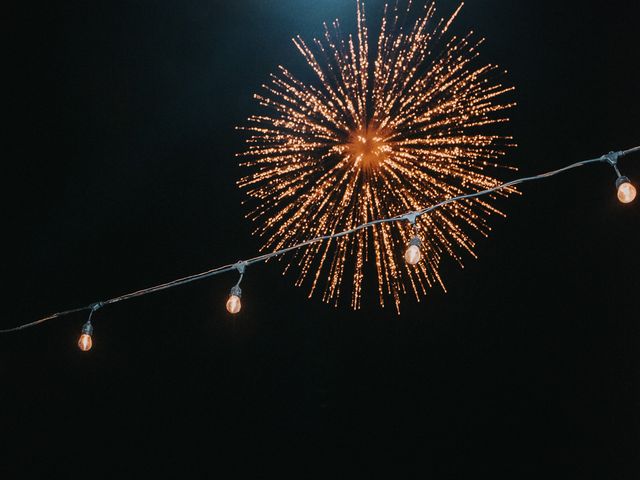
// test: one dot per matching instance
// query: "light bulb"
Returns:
(85, 342)
(412, 254)
(626, 191)
(233, 302)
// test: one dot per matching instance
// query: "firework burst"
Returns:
(373, 138)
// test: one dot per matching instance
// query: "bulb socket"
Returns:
(416, 241)
(235, 290)
(87, 329)
(622, 179)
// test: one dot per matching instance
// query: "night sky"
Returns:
(119, 173)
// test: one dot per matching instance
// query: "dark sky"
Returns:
(119, 173)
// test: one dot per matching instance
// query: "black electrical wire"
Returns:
(610, 158)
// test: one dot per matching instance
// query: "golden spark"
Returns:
(373, 140)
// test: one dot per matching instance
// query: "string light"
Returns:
(625, 189)
(233, 302)
(412, 254)
(85, 342)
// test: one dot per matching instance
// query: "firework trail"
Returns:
(374, 135)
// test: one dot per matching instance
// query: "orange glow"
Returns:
(233, 304)
(626, 192)
(368, 148)
(85, 342)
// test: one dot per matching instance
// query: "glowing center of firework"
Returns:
(368, 148)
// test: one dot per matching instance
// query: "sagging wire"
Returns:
(626, 193)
